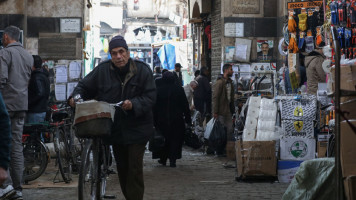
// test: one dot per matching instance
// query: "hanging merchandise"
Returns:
(340, 36)
(312, 20)
(347, 38)
(334, 13)
(348, 15)
(353, 12)
(309, 44)
(293, 44)
(342, 12)
(301, 40)
(303, 21)
(292, 25)
(318, 36)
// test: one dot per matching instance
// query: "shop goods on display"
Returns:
(286, 170)
(297, 148)
(298, 128)
(297, 109)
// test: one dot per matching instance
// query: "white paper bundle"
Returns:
(253, 112)
(268, 104)
(255, 102)
(251, 123)
(267, 115)
(248, 135)
(266, 125)
(266, 135)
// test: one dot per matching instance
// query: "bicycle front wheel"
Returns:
(89, 176)
(62, 147)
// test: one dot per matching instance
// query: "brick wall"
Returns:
(216, 35)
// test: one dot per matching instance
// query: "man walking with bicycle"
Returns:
(130, 81)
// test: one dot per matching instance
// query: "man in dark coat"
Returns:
(38, 92)
(130, 81)
(171, 112)
(157, 73)
(178, 77)
(202, 94)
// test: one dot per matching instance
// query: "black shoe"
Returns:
(172, 165)
(161, 162)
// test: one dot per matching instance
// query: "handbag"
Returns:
(157, 141)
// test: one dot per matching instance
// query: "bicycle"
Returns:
(36, 153)
(94, 171)
(67, 146)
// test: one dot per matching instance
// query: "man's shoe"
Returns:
(17, 196)
(173, 165)
(7, 193)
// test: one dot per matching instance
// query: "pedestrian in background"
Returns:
(223, 103)
(38, 92)
(178, 74)
(202, 95)
(171, 112)
(15, 72)
(157, 73)
(5, 147)
(131, 81)
(196, 74)
(189, 92)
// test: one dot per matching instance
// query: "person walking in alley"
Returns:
(171, 112)
(5, 147)
(38, 92)
(178, 74)
(15, 72)
(315, 73)
(223, 102)
(131, 81)
(202, 94)
(189, 90)
(157, 73)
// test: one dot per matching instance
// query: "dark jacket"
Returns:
(157, 75)
(178, 79)
(104, 84)
(5, 136)
(171, 112)
(38, 91)
(202, 95)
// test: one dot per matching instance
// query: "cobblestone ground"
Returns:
(196, 177)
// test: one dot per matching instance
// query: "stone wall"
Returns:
(216, 35)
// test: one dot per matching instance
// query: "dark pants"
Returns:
(129, 161)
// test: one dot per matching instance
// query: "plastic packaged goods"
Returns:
(249, 135)
(255, 102)
(266, 125)
(267, 115)
(251, 123)
(253, 112)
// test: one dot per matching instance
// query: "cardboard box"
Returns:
(298, 128)
(347, 77)
(287, 169)
(349, 106)
(321, 149)
(350, 187)
(256, 158)
(303, 108)
(297, 148)
(230, 150)
(347, 149)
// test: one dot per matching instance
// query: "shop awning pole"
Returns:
(337, 55)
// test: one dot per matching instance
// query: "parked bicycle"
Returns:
(95, 168)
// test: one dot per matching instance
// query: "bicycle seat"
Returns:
(34, 127)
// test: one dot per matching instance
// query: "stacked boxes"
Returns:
(297, 143)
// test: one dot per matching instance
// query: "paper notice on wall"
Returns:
(70, 88)
(245, 71)
(74, 70)
(60, 92)
(241, 52)
(61, 74)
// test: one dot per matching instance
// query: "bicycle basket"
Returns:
(93, 119)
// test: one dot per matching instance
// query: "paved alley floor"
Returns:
(196, 177)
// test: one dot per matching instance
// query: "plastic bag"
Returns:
(218, 136)
(209, 128)
(191, 139)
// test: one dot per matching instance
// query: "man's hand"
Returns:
(71, 102)
(215, 115)
(127, 105)
(3, 175)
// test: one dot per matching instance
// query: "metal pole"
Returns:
(199, 44)
(193, 39)
(25, 24)
(339, 183)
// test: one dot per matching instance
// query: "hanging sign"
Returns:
(234, 29)
(304, 4)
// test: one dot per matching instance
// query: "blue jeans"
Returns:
(35, 117)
